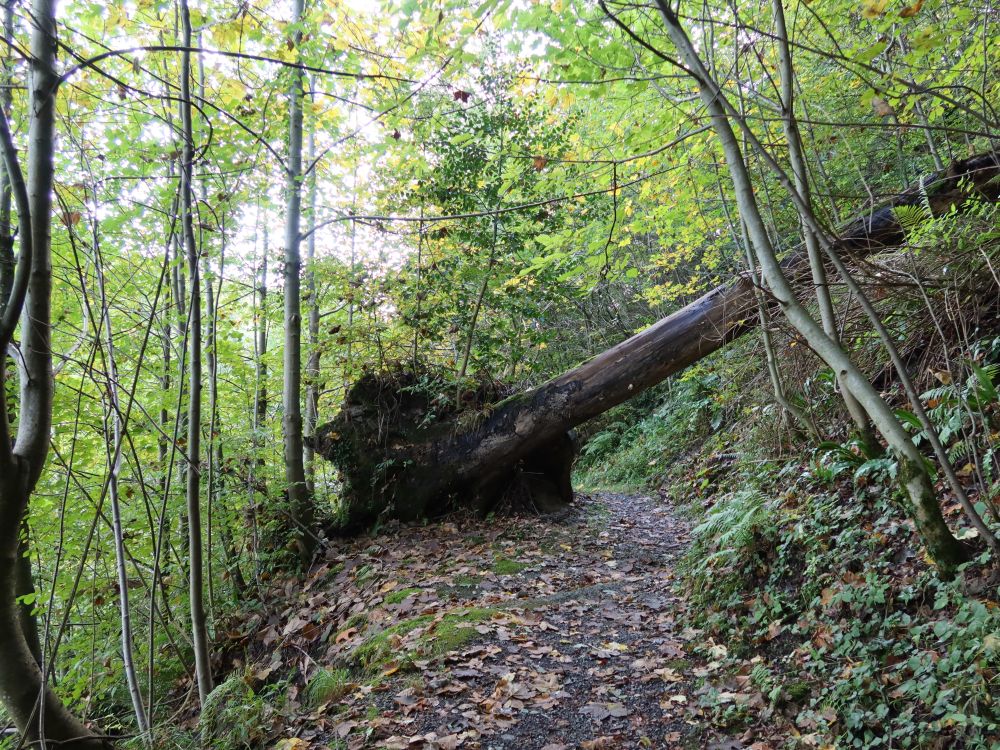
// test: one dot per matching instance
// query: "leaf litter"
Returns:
(518, 632)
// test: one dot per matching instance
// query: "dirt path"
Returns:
(520, 634)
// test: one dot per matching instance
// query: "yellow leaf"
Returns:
(942, 375)
(390, 670)
(873, 8)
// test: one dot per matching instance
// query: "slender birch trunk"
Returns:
(114, 454)
(313, 361)
(800, 175)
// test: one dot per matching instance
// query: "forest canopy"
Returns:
(749, 251)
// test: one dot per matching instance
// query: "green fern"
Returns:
(910, 217)
(731, 525)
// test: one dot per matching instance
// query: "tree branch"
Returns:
(91, 61)
(12, 308)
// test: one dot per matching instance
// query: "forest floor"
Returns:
(525, 632)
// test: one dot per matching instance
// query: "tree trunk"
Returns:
(113, 441)
(196, 585)
(24, 690)
(420, 474)
(313, 361)
(299, 504)
(925, 511)
(796, 157)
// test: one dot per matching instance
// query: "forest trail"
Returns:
(525, 633)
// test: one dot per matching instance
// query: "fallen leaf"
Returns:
(291, 743)
(618, 710)
(774, 629)
(596, 711)
(345, 635)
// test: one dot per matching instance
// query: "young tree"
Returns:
(24, 687)
(796, 157)
(196, 585)
(299, 502)
(946, 551)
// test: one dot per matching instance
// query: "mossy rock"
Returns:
(233, 717)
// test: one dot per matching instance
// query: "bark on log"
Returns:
(526, 435)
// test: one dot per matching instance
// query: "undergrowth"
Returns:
(633, 447)
(831, 589)
(803, 562)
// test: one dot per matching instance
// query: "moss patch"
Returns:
(504, 566)
(358, 620)
(798, 691)
(400, 645)
(396, 597)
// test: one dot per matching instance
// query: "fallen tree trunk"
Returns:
(523, 440)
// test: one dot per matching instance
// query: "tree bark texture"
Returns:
(422, 475)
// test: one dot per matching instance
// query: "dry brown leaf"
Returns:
(345, 635)
(882, 107)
